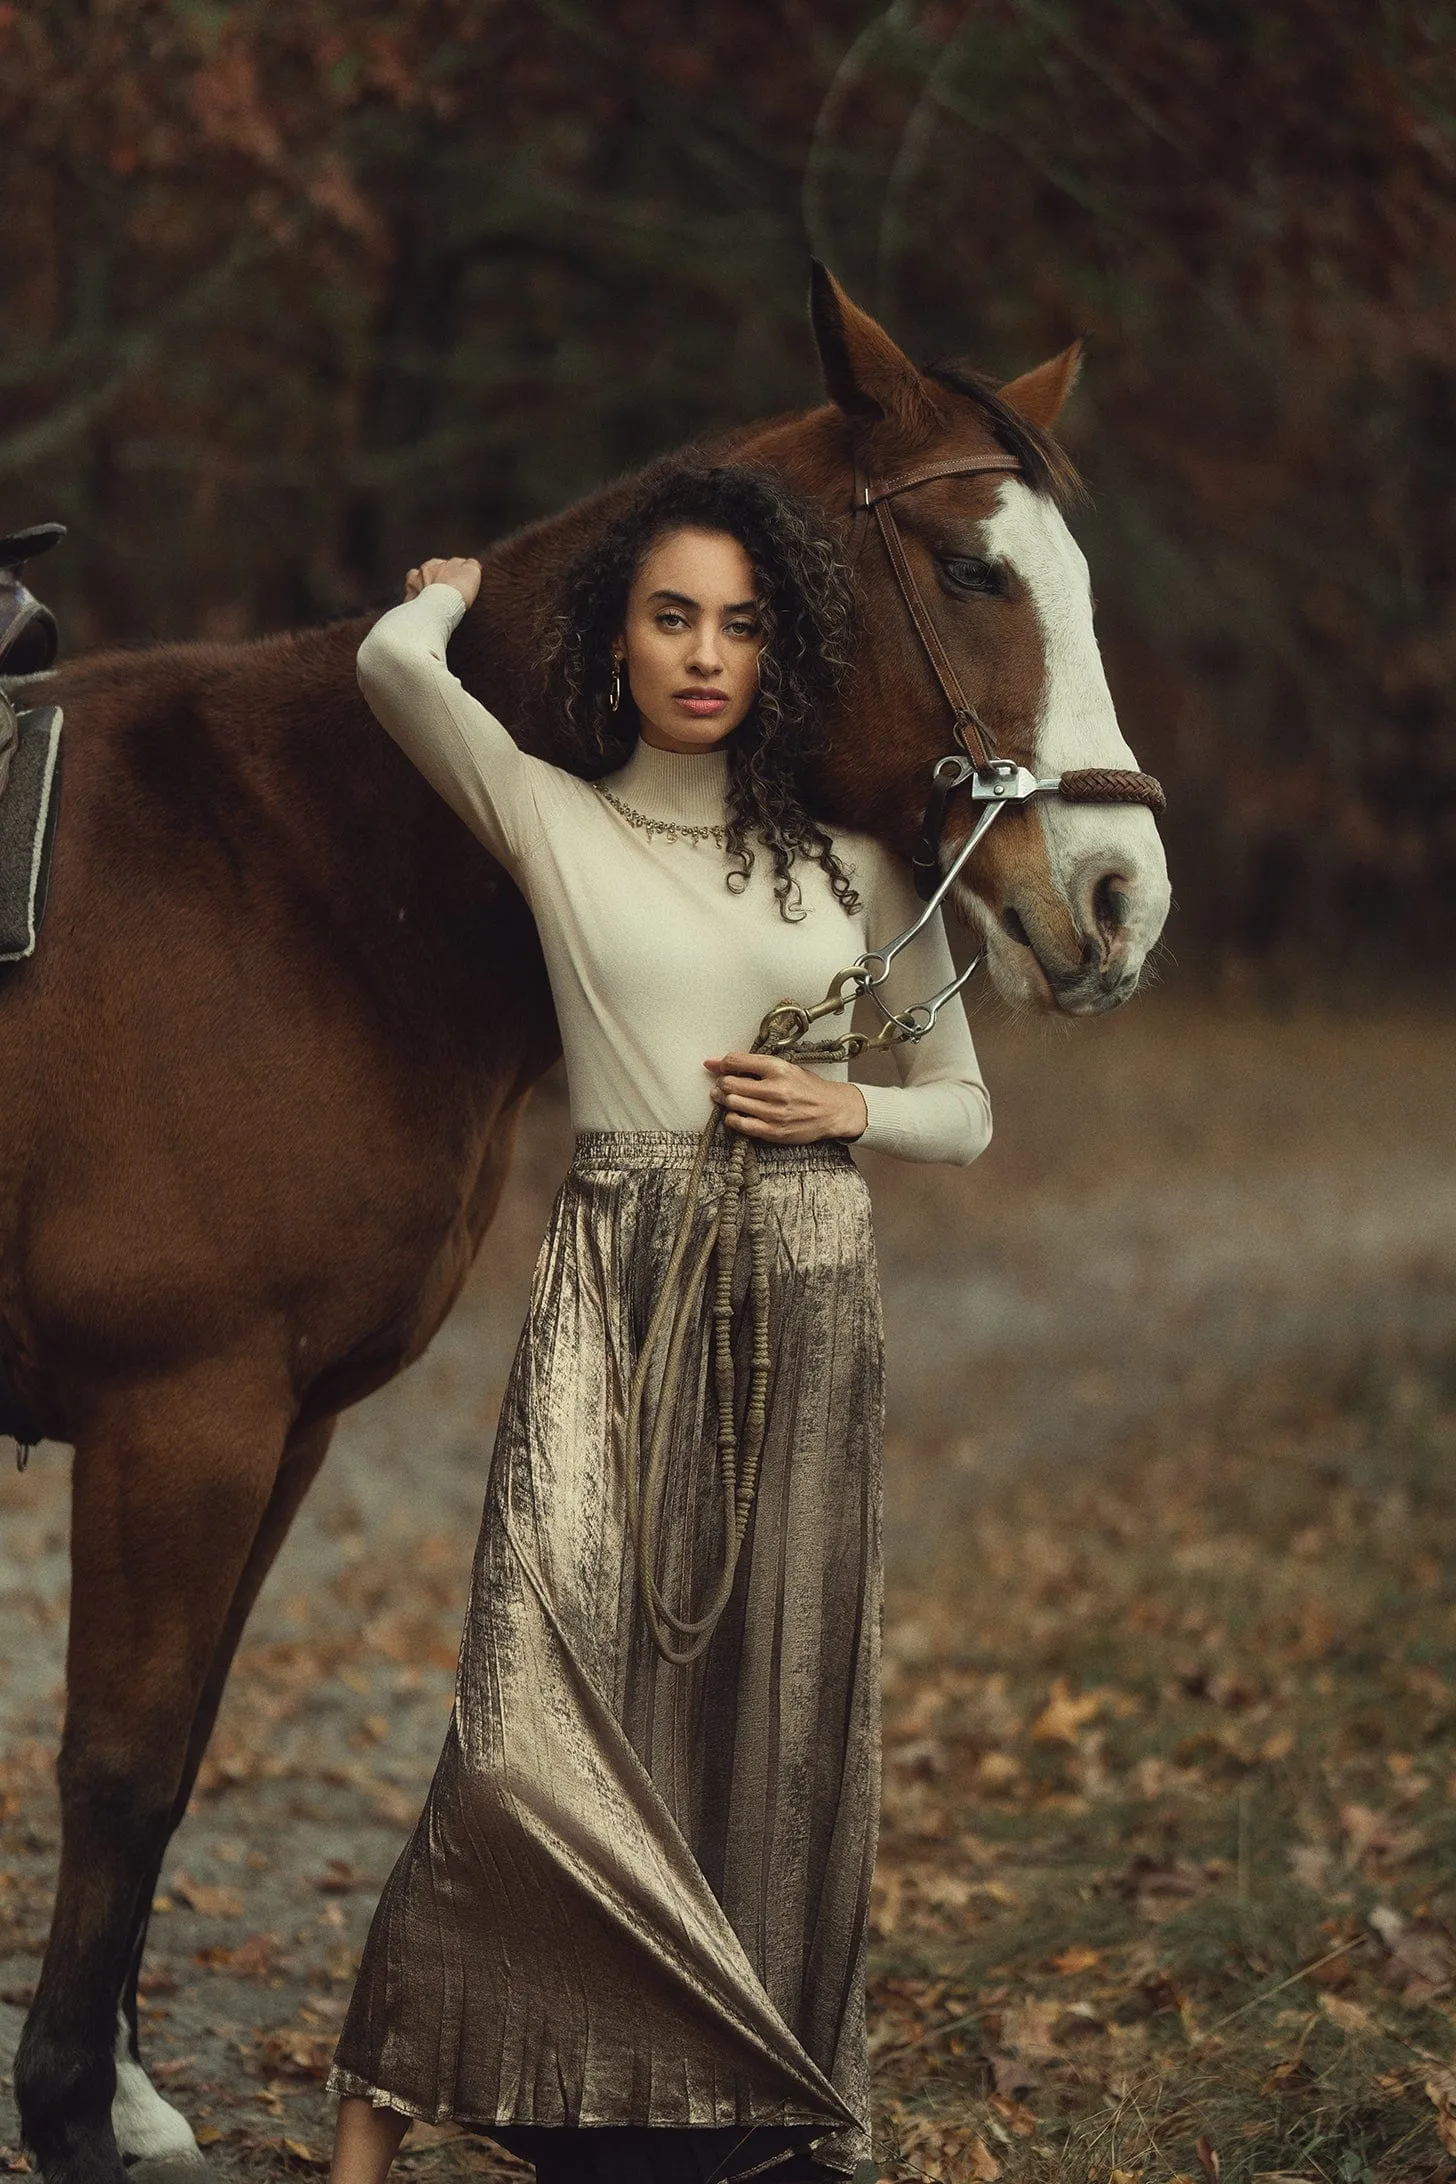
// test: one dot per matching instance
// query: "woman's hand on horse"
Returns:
(763, 1096)
(463, 571)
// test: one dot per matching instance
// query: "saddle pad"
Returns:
(27, 830)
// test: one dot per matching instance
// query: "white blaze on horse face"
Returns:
(1077, 725)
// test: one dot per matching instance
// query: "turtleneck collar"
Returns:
(688, 786)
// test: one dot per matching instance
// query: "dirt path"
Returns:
(1181, 1213)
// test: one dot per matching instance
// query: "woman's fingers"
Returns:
(753, 1065)
(747, 1098)
(766, 1096)
(461, 570)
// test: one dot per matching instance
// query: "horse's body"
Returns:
(262, 1080)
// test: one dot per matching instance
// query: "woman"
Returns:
(627, 1936)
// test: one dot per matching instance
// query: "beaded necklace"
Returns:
(672, 828)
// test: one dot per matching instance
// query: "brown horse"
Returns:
(263, 1076)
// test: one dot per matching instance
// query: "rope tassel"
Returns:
(682, 1637)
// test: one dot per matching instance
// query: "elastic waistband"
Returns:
(597, 1151)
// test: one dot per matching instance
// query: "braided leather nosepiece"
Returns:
(1113, 785)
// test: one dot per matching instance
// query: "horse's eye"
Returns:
(966, 573)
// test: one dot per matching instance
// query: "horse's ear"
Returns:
(1038, 395)
(865, 373)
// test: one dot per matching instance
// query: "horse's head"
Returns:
(1069, 897)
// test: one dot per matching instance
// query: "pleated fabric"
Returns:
(627, 1934)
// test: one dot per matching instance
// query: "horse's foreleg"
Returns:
(170, 1488)
(147, 2127)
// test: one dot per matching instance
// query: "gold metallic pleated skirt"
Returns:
(627, 1935)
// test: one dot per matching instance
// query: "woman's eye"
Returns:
(669, 619)
(965, 573)
(744, 629)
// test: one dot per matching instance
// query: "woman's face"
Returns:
(691, 639)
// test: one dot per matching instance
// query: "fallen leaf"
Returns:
(998, 1770)
(1013, 2074)
(301, 2152)
(207, 2134)
(1076, 1959)
(296, 2052)
(1419, 1961)
(949, 2153)
(984, 2167)
(207, 1901)
(251, 1959)
(1351, 2017)
(1310, 1865)
(1124, 2176)
(1018, 2120)
(1028, 2031)
(1438, 2092)
(1065, 1715)
(1376, 1836)
(176, 2066)
(338, 1879)
(1208, 2160)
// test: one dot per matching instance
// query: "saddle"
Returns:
(29, 745)
(28, 640)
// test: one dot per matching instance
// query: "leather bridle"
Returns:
(735, 1208)
(995, 782)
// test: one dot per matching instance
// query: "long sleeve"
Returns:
(940, 1109)
(505, 796)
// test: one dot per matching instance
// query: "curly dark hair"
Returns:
(806, 610)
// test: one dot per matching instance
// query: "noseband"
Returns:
(995, 782)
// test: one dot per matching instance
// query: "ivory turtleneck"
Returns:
(655, 963)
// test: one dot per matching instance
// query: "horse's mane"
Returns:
(1049, 468)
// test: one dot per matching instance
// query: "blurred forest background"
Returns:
(296, 293)
(293, 295)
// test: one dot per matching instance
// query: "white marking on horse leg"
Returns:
(146, 2127)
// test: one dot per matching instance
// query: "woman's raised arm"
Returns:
(506, 797)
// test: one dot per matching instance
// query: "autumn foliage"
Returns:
(296, 294)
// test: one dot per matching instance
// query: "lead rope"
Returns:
(680, 1638)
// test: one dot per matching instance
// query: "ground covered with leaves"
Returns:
(1166, 1876)
(1166, 1884)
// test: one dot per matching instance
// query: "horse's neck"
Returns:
(328, 755)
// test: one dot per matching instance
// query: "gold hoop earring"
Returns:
(614, 687)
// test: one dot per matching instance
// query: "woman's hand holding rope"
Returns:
(783, 1103)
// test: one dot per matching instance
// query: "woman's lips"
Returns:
(701, 703)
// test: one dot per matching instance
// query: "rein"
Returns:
(995, 784)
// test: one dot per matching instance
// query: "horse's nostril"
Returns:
(1013, 928)
(1111, 903)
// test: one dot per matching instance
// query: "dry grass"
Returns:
(1166, 1883)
